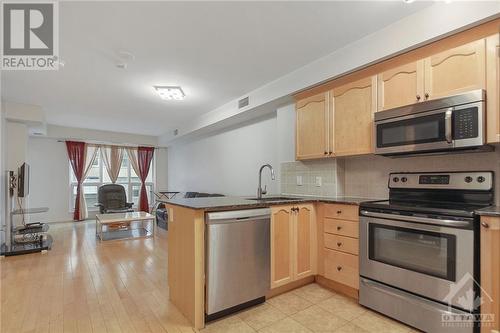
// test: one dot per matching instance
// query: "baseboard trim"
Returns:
(337, 287)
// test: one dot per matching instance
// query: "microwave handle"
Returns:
(448, 125)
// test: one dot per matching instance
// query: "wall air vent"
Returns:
(176, 132)
(243, 102)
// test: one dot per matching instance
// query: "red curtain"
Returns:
(144, 157)
(76, 155)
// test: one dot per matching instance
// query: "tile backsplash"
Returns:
(319, 177)
(367, 176)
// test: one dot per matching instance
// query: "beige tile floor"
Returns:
(304, 310)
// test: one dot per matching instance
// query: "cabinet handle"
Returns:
(339, 227)
(326, 153)
(339, 212)
(418, 97)
(339, 268)
(339, 244)
(330, 153)
(426, 95)
(486, 225)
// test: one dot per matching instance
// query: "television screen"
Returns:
(23, 182)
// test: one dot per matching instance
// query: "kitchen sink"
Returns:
(275, 199)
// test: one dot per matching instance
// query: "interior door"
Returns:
(281, 246)
(353, 107)
(455, 71)
(400, 86)
(312, 127)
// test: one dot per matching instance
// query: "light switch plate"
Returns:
(318, 181)
(299, 181)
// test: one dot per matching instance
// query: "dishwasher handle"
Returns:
(235, 216)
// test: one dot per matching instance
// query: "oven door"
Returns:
(424, 131)
(420, 258)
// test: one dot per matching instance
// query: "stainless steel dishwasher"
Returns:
(237, 260)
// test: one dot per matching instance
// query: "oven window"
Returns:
(412, 131)
(425, 252)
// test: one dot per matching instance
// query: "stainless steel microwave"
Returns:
(449, 123)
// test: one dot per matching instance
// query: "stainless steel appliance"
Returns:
(450, 123)
(419, 249)
(237, 260)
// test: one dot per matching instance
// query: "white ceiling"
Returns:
(216, 51)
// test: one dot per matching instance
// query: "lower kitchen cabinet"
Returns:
(338, 233)
(490, 272)
(293, 243)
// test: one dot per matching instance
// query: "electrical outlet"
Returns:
(318, 181)
(299, 181)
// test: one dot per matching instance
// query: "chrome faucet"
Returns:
(261, 191)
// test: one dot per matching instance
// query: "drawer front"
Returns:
(342, 267)
(341, 243)
(341, 227)
(345, 212)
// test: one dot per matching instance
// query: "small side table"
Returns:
(123, 224)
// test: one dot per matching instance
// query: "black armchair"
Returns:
(111, 198)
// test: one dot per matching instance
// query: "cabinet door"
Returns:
(353, 107)
(493, 88)
(455, 71)
(281, 246)
(400, 86)
(490, 272)
(312, 127)
(305, 238)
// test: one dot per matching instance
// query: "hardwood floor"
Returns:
(83, 285)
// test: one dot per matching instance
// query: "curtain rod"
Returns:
(111, 145)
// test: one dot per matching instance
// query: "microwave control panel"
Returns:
(465, 123)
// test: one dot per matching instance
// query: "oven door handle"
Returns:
(448, 117)
(447, 223)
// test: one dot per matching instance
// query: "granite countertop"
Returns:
(233, 203)
(489, 211)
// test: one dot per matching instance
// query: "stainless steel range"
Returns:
(419, 250)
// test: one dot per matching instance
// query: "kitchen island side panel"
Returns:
(186, 262)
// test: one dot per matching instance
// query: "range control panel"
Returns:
(471, 180)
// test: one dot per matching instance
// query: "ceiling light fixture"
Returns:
(170, 92)
(408, 1)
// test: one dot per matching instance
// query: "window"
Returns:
(99, 176)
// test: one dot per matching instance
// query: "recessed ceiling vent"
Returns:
(243, 102)
(176, 132)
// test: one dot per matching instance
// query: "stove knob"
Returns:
(395, 179)
(481, 179)
(468, 179)
(404, 179)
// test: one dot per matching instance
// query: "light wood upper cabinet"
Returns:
(281, 246)
(353, 107)
(490, 272)
(312, 127)
(455, 71)
(400, 86)
(293, 243)
(493, 88)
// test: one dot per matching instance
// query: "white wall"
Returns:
(49, 179)
(226, 162)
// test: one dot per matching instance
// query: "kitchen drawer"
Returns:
(345, 212)
(342, 267)
(341, 243)
(341, 227)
